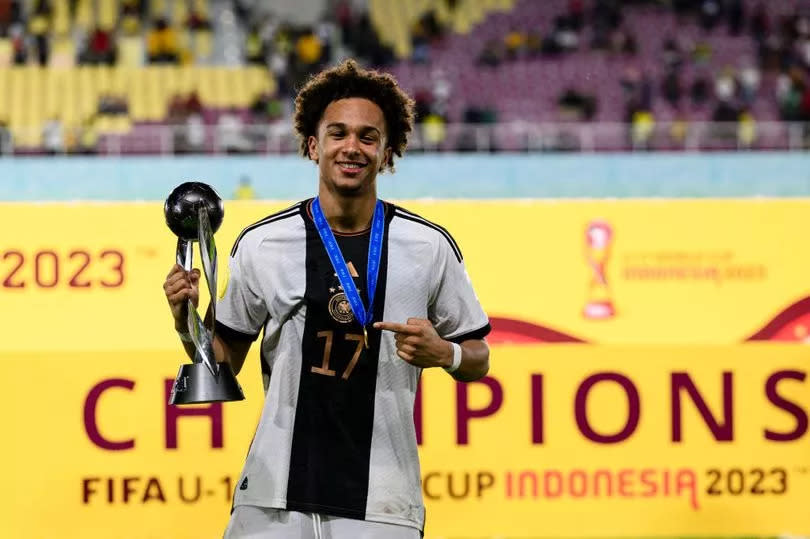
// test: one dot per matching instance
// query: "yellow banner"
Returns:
(667, 425)
(558, 441)
(88, 277)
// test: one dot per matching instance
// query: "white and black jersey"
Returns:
(336, 435)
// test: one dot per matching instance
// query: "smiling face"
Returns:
(351, 146)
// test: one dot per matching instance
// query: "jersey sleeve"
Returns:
(241, 309)
(454, 310)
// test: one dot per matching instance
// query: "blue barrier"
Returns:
(289, 177)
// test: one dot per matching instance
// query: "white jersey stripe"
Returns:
(289, 212)
(413, 217)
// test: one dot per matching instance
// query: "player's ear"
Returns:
(386, 158)
(312, 147)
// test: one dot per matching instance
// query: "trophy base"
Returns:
(196, 385)
(599, 310)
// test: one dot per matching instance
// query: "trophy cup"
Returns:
(598, 237)
(194, 212)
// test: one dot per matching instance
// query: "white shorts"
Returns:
(251, 522)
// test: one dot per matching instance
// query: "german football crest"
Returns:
(339, 307)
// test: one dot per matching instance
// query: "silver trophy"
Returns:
(194, 212)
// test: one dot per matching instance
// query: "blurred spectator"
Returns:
(366, 44)
(177, 116)
(642, 127)
(480, 115)
(176, 112)
(433, 130)
(266, 108)
(746, 130)
(99, 48)
(230, 133)
(534, 44)
(736, 16)
(671, 88)
(790, 90)
(19, 45)
(5, 15)
(53, 140)
(702, 52)
(637, 92)
(622, 42)
(308, 50)
(193, 133)
(196, 21)
(162, 44)
(804, 106)
(130, 23)
(725, 86)
(244, 191)
(710, 12)
(468, 138)
(112, 104)
(678, 129)
(420, 43)
(683, 8)
(606, 16)
(513, 43)
(423, 104)
(699, 91)
(576, 14)
(564, 34)
(671, 55)
(39, 26)
(88, 137)
(441, 91)
(6, 143)
(725, 112)
(749, 79)
(760, 23)
(255, 48)
(773, 53)
(326, 32)
(491, 55)
(193, 103)
(576, 106)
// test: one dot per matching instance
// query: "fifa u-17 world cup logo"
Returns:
(598, 237)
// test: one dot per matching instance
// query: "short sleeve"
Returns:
(454, 309)
(241, 309)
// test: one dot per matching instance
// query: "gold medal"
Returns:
(365, 337)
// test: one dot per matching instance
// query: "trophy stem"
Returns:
(187, 262)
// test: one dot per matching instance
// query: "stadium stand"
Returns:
(106, 75)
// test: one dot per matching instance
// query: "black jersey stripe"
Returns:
(479, 333)
(417, 219)
(233, 334)
(330, 451)
(283, 214)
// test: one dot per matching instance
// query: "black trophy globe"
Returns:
(182, 206)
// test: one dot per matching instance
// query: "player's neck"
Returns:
(347, 214)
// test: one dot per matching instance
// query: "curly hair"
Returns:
(347, 80)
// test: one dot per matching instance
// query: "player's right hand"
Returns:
(181, 285)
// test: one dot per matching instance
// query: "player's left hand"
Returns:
(419, 344)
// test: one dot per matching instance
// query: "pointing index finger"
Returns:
(407, 329)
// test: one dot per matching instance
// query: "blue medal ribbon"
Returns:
(363, 316)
